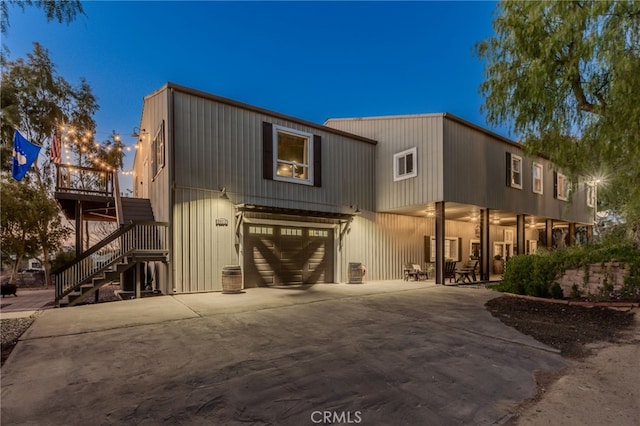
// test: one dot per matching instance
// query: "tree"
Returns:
(30, 224)
(564, 76)
(36, 100)
(63, 11)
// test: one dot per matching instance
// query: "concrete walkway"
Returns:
(26, 303)
(390, 352)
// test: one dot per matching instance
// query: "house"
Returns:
(293, 202)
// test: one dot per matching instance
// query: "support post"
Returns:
(485, 253)
(78, 211)
(520, 234)
(549, 232)
(138, 280)
(440, 242)
(572, 234)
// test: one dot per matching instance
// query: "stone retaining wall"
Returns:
(595, 278)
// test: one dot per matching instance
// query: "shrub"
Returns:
(536, 275)
(517, 273)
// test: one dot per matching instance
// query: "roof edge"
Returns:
(231, 102)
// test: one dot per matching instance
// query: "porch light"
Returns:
(223, 194)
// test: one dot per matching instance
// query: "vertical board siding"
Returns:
(475, 173)
(202, 249)
(220, 145)
(385, 242)
(396, 134)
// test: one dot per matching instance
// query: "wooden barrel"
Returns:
(231, 279)
(356, 272)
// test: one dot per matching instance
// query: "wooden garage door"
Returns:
(282, 255)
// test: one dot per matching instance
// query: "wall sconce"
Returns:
(223, 194)
(137, 132)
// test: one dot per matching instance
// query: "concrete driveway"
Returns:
(376, 353)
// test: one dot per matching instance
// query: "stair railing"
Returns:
(135, 237)
(118, 200)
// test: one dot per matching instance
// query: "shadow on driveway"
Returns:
(381, 353)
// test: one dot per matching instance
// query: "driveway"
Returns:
(26, 302)
(390, 352)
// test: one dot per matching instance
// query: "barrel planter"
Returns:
(356, 272)
(231, 279)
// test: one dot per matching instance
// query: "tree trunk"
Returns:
(14, 274)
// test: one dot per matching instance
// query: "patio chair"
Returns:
(412, 270)
(450, 270)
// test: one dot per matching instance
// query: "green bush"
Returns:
(536, 275)
(518, 271)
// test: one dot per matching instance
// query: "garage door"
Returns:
(282, 255)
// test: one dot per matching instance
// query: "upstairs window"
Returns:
(562, 187)
(514, 171)
(405, 164)
(591, 194)
(291, 155)
(537, 178)
(157, 151)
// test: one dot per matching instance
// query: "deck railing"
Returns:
(85, 180)
(138, 238)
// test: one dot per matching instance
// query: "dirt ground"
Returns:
(602, 385)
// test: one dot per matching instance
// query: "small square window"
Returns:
(516, 171)
(405, 164)
(537, 178)
(293, 155)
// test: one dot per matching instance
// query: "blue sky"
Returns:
(312, 60)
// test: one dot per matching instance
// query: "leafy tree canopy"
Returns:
(564, 76)
(63, 11)
(36, 100)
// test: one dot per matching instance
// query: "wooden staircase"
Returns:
(106, 262)
(138, 240)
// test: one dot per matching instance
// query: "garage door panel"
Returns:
(281, 255)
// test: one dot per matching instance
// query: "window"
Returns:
(591, 194)
(157, 151)
(537, 178)
(451, 249)
(318, 233)
(405, 164)
(292, 155)
(261, 230)
(562, 187)
(293, 232)
(508, 235)
(516, 171)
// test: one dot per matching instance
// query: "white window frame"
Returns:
(450, 249)
(591, 194)
(396, 173)
(540, 167)
(277, 129)
(563, 187)
(158, 151)
(516, 159)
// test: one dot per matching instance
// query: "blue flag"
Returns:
(24, 154)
